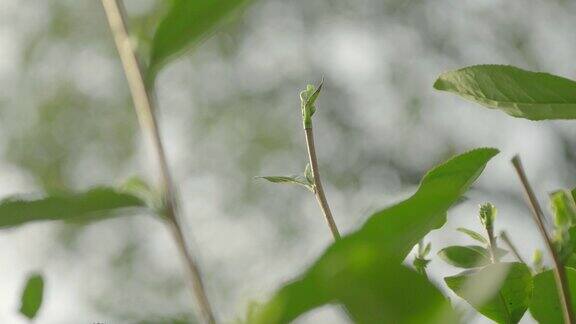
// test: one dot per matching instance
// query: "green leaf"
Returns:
(519, 93)
(471, 256)
(32, 296)
(90, 205)
(545, 306)
(500, 291)
(308, 174)
(363, 270)
(563, 208)
(186, 24)
(473, 234)
(297, 180)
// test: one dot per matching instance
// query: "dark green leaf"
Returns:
(363, 270)
(519, 93)
(90, 205)
(32, 296)
(473, 234)
(471, 256)
(186, 24)
(545, 306)
(499, 291)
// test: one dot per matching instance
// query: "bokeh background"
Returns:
(230, 111)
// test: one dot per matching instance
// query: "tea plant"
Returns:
(364, 271)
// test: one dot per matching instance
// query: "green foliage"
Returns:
(471, 256)
(97, 203)
(473, 234)
(500, 291)
(32, 296)
(420, 261)
(186, 24)
(519, 93)
(363, 270)
(308, 99)
(545, 306)
(488, 215)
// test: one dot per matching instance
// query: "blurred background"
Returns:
(230, 111)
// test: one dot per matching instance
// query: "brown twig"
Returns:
(508, 242)
(144, 107)
(559, 271)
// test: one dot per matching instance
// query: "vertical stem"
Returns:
(144, 107)
(492, 244)
(559, 270)
(511, 246)
(318, 189)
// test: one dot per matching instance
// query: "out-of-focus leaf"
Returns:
(563, 207)
(363, 270)
(186, 23)
(90, 205)
(32, 296)
(473, 234)
(471, 256)
(500, 291)
(545, 306)
(519, 93)
(288, 180)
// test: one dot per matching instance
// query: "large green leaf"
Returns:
(545, 306)
(90, 205)
(186, 23)
(32, 295)
(471, 256)
(519, 93)
(498, 291)
(363, 270)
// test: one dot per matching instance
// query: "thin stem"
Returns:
(492, 244)
(318, 189)
(559, 270)
(144, 107)
(511, 246)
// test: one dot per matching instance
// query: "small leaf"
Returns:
(363, 270)
(545, 306)
(500, 291)
(517, 92)
(32, 296)
(563, 208)
(287, 180)
(309, 175)
(473, 234)
(94, 204)
(186, 24)
(467, 257)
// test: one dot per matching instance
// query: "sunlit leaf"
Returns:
(471, 256)
(32, 295)
(473, 234)
(519, 93)
(363, 270)
(94, 204)
(187, 23)
(545, 306)
(499, 291)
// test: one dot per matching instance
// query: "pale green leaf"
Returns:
(471, 256)
(500, 291)
(519, 93)
(297, 180)
(363, 270)
(32, 295)
(187, 23)
(473, 234)
(545, 306)
(90, 205)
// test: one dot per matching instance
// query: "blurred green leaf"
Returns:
(500, 291)
(563, 208)
(471, 256)
(519, 93)
(94, 204)
(187, 23)
(545, 306)
(308, 174)
(363, 270)
(473, 234)
(297, 180)
(32, 296)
